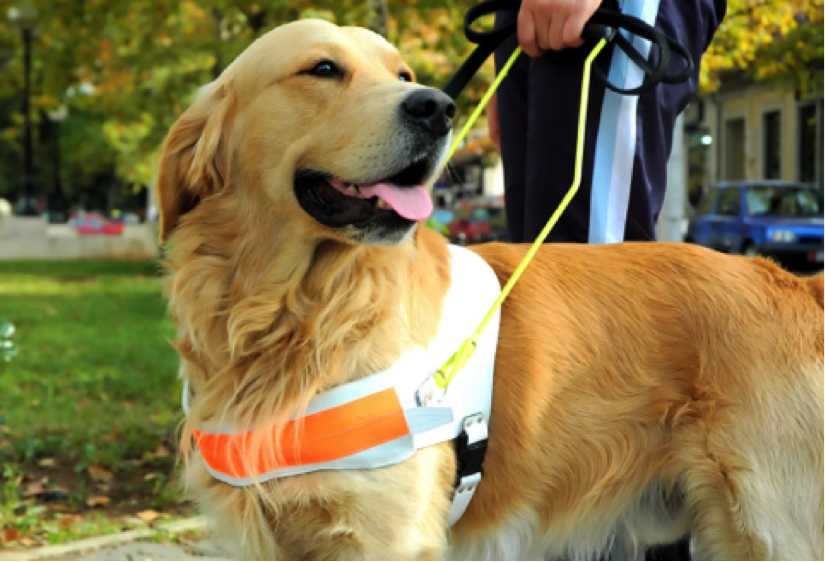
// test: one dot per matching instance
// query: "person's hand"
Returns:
(493, 128)
(552, 24)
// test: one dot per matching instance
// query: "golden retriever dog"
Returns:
(643, 391)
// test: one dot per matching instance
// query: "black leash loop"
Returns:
(603, 24)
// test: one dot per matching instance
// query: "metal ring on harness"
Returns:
(603, 24)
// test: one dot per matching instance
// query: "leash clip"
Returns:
(445, 375)
(429, 392)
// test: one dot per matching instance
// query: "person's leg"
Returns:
(555, 99)
(555, 81)
(512, 110)
(635, 142)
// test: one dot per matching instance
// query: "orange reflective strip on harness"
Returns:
(326, 436)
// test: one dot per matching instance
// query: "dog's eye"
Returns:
(405, 77)
(325, 69)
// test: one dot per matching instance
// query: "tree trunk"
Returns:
(378, 16)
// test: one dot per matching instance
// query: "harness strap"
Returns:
(370, 431)
(382, 419)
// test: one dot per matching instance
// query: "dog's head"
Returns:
(323, 123)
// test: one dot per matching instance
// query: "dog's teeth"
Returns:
(352, 187)
(381, 204)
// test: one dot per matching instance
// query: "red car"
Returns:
(92, 223)
(475, 224)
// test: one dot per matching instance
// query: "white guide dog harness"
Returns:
(385, 418)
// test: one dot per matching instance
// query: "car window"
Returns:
(708, 201)
(479, 215)
(730, 202)
(783, 201)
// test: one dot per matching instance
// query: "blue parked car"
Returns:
(769, 218)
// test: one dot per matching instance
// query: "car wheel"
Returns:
(749, 250)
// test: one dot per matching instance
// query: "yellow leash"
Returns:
(445, 375)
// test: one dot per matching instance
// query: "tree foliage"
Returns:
(127, 68)
(768, 40)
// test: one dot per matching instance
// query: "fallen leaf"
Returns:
(5, 443)
(61, 508)
(29, 542)
(99, 473)
(46, 463)
(112, 437)
(33, 489)
(149, 515)
(150, 476)
(161, 452)
(97, 501)
(66, 522)
(10, 534)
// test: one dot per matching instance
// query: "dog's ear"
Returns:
(195, 159)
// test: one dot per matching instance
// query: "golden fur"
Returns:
(642, 391)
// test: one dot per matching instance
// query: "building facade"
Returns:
(750, 131)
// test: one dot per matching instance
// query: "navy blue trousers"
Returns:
(628, 138)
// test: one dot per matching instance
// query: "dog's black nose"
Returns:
(430, 110)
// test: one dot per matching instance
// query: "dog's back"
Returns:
(682, 391)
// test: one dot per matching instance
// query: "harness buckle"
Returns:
(471, 446)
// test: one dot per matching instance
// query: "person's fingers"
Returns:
(572, 32)
(527, 32)
(543, 15)
(555, 38)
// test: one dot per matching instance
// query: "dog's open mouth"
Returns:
(336, 202)
(412, 203)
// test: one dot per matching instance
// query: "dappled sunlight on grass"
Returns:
(94, 381)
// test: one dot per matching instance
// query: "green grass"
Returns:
(94, 379)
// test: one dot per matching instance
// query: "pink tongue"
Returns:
(412, 203)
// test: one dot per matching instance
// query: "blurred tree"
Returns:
(769, 40)
(379, 16)
(128, 68)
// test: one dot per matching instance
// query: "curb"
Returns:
(95, 543)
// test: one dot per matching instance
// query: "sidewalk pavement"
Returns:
(144, 550)
(138, 544)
